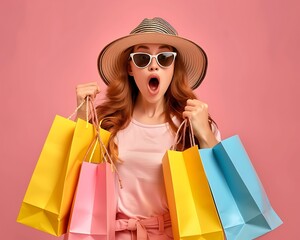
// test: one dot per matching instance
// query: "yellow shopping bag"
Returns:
(41, 205)
(192, 209)
(48, 199)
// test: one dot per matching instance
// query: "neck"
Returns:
(149, 113)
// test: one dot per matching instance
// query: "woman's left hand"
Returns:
(197, 112)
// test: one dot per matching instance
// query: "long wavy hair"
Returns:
(116, 111)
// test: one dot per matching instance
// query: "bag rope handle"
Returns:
(86, 100)
(184, 124)
(103, 150)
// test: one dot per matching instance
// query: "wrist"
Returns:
(206, 139)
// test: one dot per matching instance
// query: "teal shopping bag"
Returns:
(243, 206)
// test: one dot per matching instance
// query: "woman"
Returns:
(150, 76)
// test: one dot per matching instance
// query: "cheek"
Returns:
(138, 78)
(134, 71)
(169, 76)
(137, 75)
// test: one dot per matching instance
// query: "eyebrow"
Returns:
(160, 47)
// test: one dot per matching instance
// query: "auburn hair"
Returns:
(117, 108)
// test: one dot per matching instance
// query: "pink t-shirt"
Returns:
(141, 148)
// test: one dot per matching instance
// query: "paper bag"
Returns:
(94, 209)
(241, 200)
(192, 209)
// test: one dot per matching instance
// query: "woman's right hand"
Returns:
(90, 89)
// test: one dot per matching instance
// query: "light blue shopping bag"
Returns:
(240, 198)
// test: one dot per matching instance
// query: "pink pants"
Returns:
(154, 228)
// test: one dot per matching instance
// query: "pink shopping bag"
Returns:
(94, 207)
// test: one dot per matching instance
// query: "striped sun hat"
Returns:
(154, 31)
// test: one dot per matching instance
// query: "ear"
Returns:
(129, 70)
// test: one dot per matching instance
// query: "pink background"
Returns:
(252, 84)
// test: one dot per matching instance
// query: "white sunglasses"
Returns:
(143, 60)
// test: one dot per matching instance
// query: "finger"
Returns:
(189, 108)
(87, 91)
(200, 105)
(191, 102)
(89, 84)
(92, 85)
(186, 114)
(196, 103)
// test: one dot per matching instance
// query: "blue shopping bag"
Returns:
(240, 198)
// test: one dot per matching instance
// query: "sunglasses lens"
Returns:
(141, 59)
(165, 59)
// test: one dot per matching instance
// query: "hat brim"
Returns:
(192, 55)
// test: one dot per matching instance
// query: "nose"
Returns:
(153, 65)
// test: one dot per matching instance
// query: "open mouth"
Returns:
(153, 84)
